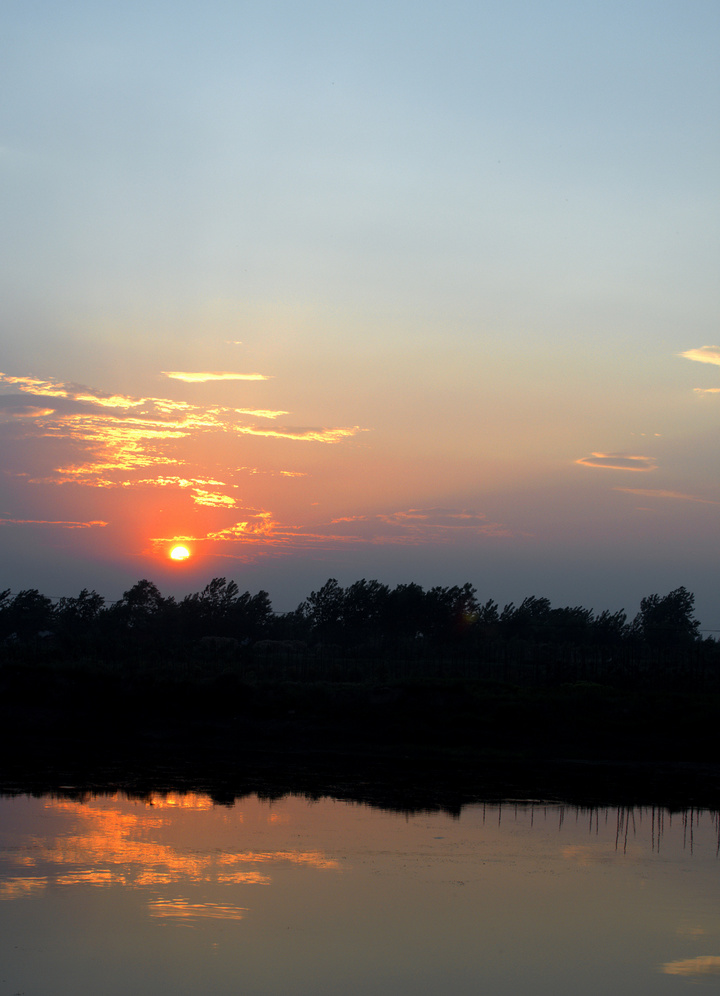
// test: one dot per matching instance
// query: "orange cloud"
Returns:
(302, 435)
(706, 390)
(116, 434)
(703, 354)
(73, 392)
(200, 495)
(212, 499)
(618, 461)
(203, 377)
(260, 534)
(16, 407)
(702, 965)
(260, 412)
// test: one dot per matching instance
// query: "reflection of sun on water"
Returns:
(179, 553)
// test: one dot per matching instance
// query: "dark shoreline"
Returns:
(408, 746)
(402, 784)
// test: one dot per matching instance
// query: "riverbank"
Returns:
(407, 745)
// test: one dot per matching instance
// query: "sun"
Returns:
(179, 553)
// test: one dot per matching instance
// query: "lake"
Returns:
(172, 893)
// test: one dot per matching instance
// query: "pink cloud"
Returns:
(618, 461)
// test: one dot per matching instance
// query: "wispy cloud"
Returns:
(703, 354)
(702, 965)
(658, 493)
(313, 435)
(201, 377)
(212, 499)
(13, 406)
(73, 392)
(62, 523)
(260, 412)
(259, 534)
(421, 525)
(618, 461)
(113, 435)
(706, 390)
(62, 434)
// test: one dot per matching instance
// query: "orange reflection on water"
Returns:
(22, 888)
(183, 909)
(244, 878)
(159, 842)
(92, 877)
(174, 800)
(315, 858)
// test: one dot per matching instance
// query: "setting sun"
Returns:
(179, 553)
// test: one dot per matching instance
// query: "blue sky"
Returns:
(465, 246)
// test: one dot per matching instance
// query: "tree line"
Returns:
(367, 619)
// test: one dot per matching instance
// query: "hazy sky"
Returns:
(415, 292)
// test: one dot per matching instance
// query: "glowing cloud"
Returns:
(703, 354)
(260, 412)
(74, 392)
(706, 390)
(260, 534)
(202, 377)
(618, 461)
(17, 407)
(212, 499)
(258, 525)
(702, 965)
(111, 435)
(316, 435)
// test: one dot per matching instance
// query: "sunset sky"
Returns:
(410, 292)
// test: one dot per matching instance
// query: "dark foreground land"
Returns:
(407, 744)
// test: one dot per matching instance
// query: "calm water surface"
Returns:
(111, 895)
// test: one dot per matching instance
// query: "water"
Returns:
(110, 895)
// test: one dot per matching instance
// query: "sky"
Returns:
(410, 292)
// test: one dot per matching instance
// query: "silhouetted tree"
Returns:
(141, 602)
(28, 614)
(449, 613)
(527, 621)
(610, 629)
(324, 610)
(570, 625)
(76, 620)
(365, 611)
(251, 616)
(667, 621)
(406, 615)
(80, 611)
(209, 612)
(142, 620)
(368, 618)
